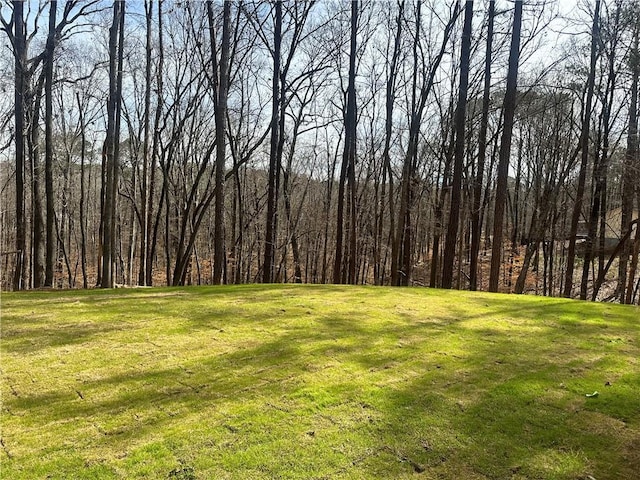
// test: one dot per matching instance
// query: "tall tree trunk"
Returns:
(444, 166)
(584, 146)
(152, 226)
(116, 144)
(48, 154)
(505, 149)
(219, 255)
(403, 230)
(237, 252)
(20, 89)
(347, 170)
(109, 156)
(295, 248)
(34, 98)
(287, 193)
(459, 126)
(350, 143)
(476, 226)
(387, 170)
(635, 251)
(598, 204)
(144, 189)
(401, 244)
(81, 206)
(111, 148)
(274, 165)
(629, 176)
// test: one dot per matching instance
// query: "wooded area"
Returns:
(487, 145)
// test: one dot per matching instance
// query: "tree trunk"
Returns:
(144, 190)
(111, 148)
(152, 226)
(81, 206)
(629, 176)
(476, 226)
(387, 170)
(350, 145)
(274, 165)
(505, 149)
(20, 88)
(441, 195)
(48, 154)
(459, 126)
(403, 230)
(219, 258)
(598, 205)
(584, 146)
(634, 261)
(347, 170)
(34, 98)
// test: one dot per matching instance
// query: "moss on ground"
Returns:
(323, 382)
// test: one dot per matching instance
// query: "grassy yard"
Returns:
(317, 382)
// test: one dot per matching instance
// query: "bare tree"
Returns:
(20, 54)
(459, 125)
(584, 148)
(112, 144)
(221, 120)
(630, 169)
(347, 169)
(505, 149)
(476, 213)
(402, 256)
(48, 155)
(602, 155)
(274, 163)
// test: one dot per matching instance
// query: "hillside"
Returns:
(331, 382)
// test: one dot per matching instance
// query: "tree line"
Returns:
(482, 145)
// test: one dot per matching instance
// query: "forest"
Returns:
(488, 145)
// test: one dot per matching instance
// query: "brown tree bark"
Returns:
(584, 146)
(629, 176)
(387, 175)
(505, 149)
(599, 198)
(350, 126)
(459, 126)
(48, 154)
(476, 226)
(347, 171)
(274, 165)
(154, 224)
(221, 121)
(146, 150)
(38, 238)
(83, 189)
(404, 229)
(19, 98)
(111, 148)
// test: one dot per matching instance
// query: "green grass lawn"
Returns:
(323, 382)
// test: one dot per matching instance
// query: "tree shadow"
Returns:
(441, 393)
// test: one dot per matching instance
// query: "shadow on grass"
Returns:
(516, 399)
(442, 393)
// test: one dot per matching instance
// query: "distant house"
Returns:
(612, 235)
